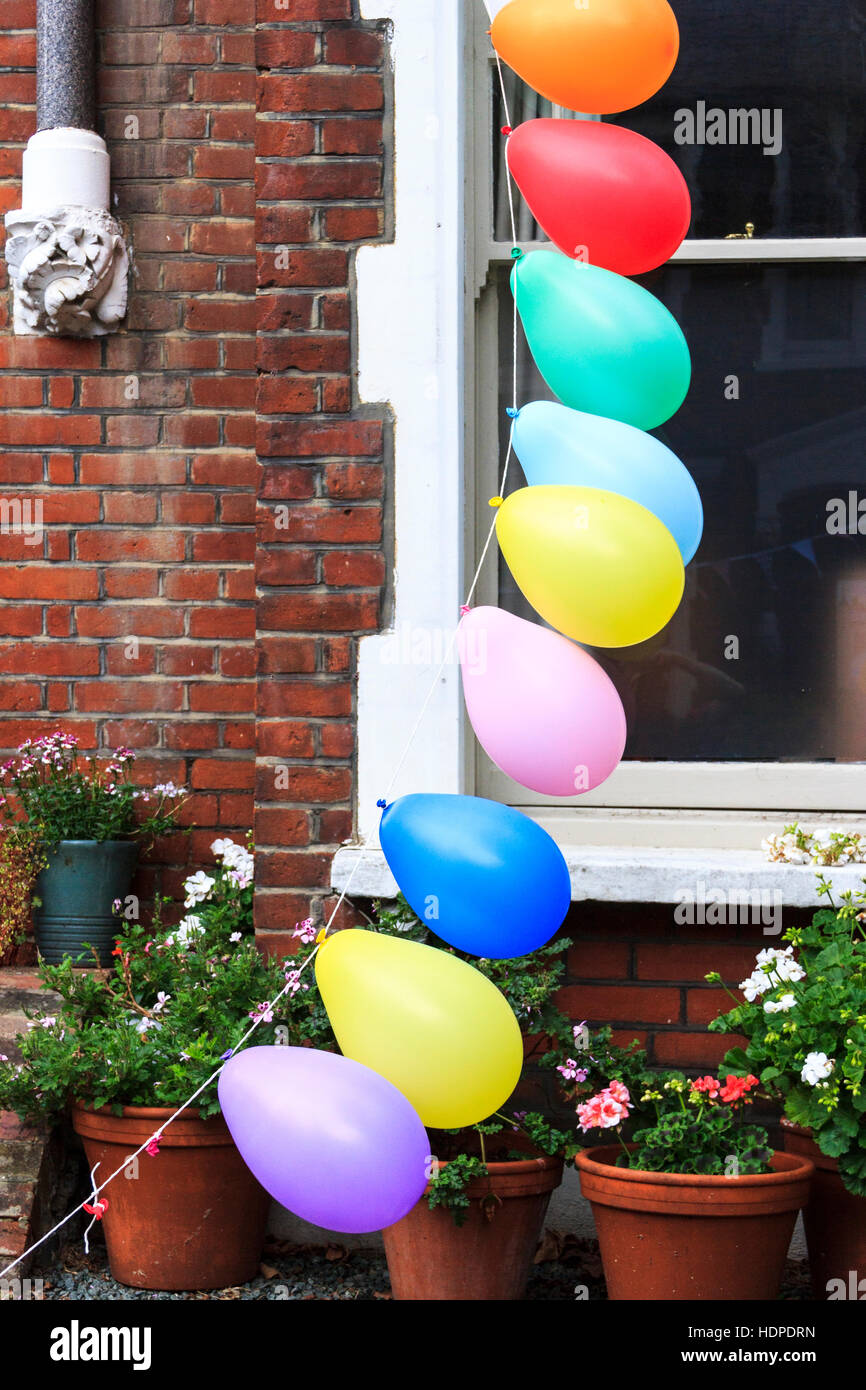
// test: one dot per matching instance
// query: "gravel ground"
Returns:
(299, 1272)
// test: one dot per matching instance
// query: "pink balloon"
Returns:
(542, 709)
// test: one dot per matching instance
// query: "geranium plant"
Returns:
(804, 1015)
(154, 1027)
(51, 792)
(697, 1126)
(578, 1058)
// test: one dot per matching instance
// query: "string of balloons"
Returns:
(597, 542)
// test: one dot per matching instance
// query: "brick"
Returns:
(285, 740)
(693, 1050)
(599, 960)
(320, 438)
(286, 655)
(310, 699)
(353, 48)
(128, 696)
(286, 567)
(323, 91)
(108, 546)
(321, 612)
(285, 826)
(48, 582)
(342, 568)
(620, 1003)
(305, 352)
(353, 224)
(212, 773)
(319, 179)
(703, 1005)
(284, 139)
(285, 48)
(694, 962)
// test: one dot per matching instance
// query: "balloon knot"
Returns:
(464, 609)
(506, 130)
(496, 501)
(516, 253)
(383, 803)
(512, 412)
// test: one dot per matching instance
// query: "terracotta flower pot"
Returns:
(193, 1217)
(490, 1255)
(835, 1221)
(676, 1236)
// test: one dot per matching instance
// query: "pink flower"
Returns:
(305, 931)
(570, 1071)
(619, 1092)
(605, 1110)
(263, 1012)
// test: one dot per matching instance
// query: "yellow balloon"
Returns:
(595, 565)
(435, 1027)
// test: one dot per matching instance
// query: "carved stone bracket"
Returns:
(69, 270)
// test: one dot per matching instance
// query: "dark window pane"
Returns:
(806, 61)
(770, 572)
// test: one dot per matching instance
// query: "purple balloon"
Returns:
(331, 1140)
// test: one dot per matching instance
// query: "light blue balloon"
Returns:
(481, 875)
(559, 445)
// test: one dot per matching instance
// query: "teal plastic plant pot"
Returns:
(77, 888)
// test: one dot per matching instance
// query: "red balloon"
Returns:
(602, 193)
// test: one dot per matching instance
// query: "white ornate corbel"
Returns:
(68, 269)
(68, 263)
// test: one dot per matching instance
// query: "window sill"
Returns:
(629, 875)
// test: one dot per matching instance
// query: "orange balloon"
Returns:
(592, 56)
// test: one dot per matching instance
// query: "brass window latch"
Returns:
(742, 236)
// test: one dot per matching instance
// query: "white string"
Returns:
(365, 849)
(94, 1202)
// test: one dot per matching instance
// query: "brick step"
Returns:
(31, 1156)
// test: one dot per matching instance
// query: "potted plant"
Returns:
(474, 1233)
(128, 1045)
(697, 1206)
(804, 1016)
(86, 819)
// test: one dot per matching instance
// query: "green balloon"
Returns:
(602, 343)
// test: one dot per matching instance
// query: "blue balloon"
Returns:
(482, 876)
(558, 445)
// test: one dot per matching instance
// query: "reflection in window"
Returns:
(790, 56)
(766, 658)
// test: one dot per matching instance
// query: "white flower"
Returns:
(235, 936)
(780, 1006)
(169, 789)
(220, 848)
(161, 1000)
(198, 888)
(143, 1025)
(187, 928)
(755, 986)
(47, 1022)
(773, 966)
(816, 1068)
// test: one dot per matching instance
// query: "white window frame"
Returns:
(706, 804)
(417, 350)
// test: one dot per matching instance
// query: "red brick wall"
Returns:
(149, 501)
(321, 188)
